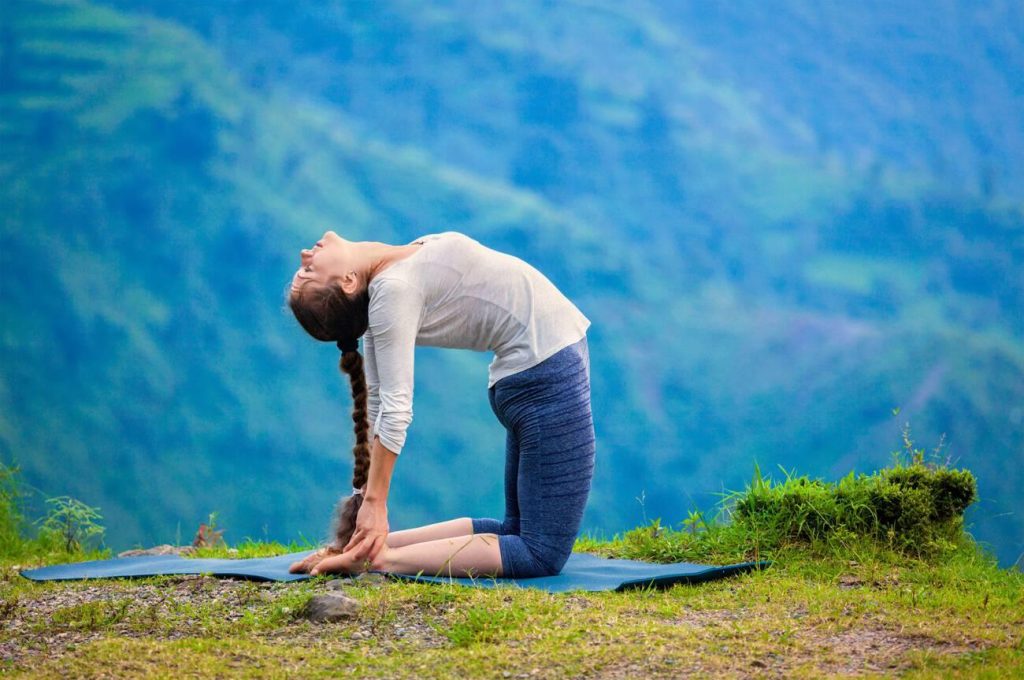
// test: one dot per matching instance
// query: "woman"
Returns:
(448, 290)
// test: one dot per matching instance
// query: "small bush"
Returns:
(916, 509)
(11, 518)
(67, 531)
(70, 524)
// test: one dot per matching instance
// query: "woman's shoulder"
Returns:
(443, 235)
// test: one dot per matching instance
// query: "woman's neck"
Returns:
(382, 255)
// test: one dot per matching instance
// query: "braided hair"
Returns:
(329, 314)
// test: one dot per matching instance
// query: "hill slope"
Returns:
(159, 173)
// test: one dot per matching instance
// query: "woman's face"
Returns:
(328, 258)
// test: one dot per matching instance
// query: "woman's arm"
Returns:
(395, 313)
(371, 531)
(372, 384)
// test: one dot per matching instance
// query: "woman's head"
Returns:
(331, 300)
(329, 295)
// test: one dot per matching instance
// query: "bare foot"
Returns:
(344, 564)
(305, 565)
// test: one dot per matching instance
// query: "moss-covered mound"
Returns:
(917, 509)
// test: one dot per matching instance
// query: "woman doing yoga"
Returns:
(448, 290)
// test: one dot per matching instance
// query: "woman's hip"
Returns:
(556, 388)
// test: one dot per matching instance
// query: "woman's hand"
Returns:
(368, 540)
(371, 531)
(367, 546)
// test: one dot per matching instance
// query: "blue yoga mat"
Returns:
(581, 572)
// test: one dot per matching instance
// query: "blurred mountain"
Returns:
(785, 225)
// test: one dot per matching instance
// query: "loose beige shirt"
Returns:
(455, 292)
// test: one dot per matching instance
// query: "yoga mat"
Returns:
(581, 572)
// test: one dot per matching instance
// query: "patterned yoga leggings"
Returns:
(549, 461)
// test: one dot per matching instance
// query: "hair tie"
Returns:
(349, 345)
(357, 492)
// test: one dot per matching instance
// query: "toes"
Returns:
(308, 562)
(332, 565)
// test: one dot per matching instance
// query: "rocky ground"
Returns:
(778, 623)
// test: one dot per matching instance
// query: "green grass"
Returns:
(802, 618)
(89, 615)
(249, 547)
(482, 624)
(843, 598)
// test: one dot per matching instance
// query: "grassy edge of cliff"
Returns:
(871, 575)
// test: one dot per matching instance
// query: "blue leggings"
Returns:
(549, 461)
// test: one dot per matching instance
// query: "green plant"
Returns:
(11, 518)
(694, 520)
(209, 534)
(289, 606)
(92, 615)
(915, 508)
(70, 523)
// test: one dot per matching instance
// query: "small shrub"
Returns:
(68, 528)
(11, 518)
(916, 509)
(70, 523)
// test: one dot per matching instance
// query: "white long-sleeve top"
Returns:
(455, 292)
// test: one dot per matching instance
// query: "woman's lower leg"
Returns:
(461, 526)
(467, 555)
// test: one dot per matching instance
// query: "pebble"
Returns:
(367, 577)
(165, 549)
(331, 607)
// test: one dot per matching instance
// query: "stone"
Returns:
(331, 607)
(165, 549)
(370, 578)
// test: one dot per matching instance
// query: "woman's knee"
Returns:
(552, 560)
(529, 557)
(550, 565)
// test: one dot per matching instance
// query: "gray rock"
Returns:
(159, 550)
(367, 577)
(331, 607)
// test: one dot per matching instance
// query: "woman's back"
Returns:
(473, 297)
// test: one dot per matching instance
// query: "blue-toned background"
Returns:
(784, 222)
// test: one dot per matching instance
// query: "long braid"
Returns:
(347, 510)
(330, 314)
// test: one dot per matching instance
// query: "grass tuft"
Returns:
(91, 616)
(912, 509)
(482, 624)
(917, 510)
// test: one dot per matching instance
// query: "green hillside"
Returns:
(754, 296)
